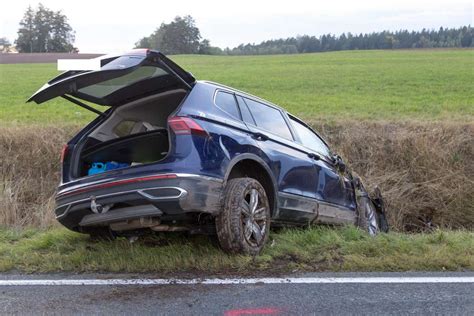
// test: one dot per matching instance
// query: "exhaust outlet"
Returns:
(168, 228)
(142, 222)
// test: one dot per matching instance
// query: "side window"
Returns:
(226, 101)
(309, 138)
(244, 109)
(269, 119)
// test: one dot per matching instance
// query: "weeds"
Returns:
(414, 166)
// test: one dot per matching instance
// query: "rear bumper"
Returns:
(172, 195)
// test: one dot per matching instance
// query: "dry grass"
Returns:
(425, 170)
(29, 173)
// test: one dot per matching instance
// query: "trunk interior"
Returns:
(135, 133)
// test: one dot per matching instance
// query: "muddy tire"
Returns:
(243, 225)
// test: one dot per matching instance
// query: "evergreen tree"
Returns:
(44, 30)
(26, 33)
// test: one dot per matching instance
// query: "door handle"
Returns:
(260, 136)
(314, 156)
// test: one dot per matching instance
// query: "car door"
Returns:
(293, 170)
(332, 189)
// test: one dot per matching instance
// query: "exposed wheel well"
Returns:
(252, 169)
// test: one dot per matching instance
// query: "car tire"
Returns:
(379, 204)
(370, 210)
(383, 223)
(367, 216)
(369, 219)
(243, 225)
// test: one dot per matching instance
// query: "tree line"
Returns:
(181, 36)
(443, 37)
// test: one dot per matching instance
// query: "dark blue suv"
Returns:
(175, 154)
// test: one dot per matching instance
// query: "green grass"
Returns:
(391, 85)
(315, 249)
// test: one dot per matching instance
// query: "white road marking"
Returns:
(382, 280)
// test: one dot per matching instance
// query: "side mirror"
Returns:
(339, 163)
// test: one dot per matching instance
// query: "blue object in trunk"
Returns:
(111, 165)
(99, 167)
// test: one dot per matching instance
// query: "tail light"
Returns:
(64, 152)
(181, 125)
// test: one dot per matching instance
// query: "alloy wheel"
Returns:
(372, 225)
(254, 220)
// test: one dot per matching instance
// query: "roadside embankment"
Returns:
(424, 169)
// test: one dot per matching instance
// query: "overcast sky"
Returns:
(104, 26)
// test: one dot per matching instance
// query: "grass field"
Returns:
(391, 85)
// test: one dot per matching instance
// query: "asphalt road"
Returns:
(241, 299)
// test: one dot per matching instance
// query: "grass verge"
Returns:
(314, 249)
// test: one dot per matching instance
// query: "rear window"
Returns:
(121, 62)
(226, 101)
(107, 87)
(269, 118)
